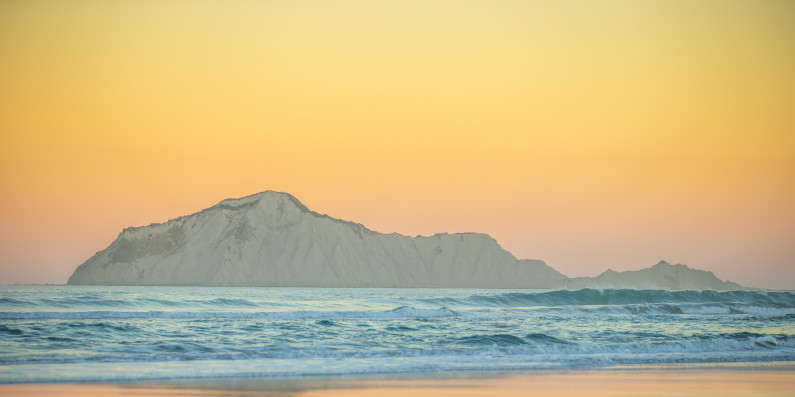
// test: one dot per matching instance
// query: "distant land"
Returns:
(270, 239)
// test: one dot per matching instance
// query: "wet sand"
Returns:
(767, 380)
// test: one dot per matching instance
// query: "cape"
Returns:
(270, 239)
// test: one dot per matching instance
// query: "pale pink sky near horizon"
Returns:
(587, 257)
(591, 135)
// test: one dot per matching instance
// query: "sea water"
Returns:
(115, 334)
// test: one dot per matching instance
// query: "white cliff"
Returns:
(271, 239)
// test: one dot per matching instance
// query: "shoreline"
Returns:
(718, 379)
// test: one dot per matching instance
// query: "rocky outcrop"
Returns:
(663, 275)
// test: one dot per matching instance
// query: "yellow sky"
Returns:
(588, 134)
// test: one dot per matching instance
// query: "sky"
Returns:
(592, 135)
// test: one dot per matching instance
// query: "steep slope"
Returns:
(271, 239)
(663, 275)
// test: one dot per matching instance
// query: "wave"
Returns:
(493, 340)
(537, 339)
(477, 351)
(9, 330)
(215, 302)
(594, 297)
(668, 309)
(400, 312)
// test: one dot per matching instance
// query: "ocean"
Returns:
(120, 334)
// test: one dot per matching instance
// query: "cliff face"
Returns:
(271, 239)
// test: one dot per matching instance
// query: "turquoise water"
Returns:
(88, 334)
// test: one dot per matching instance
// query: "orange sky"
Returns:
(588, 134)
